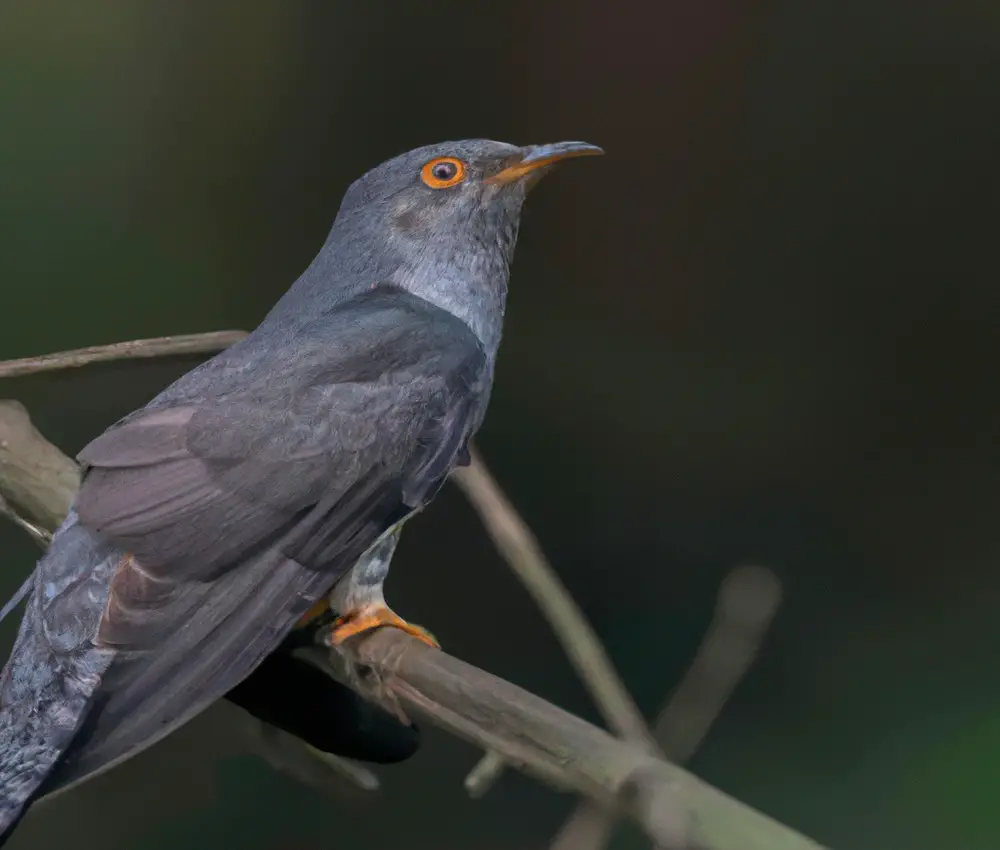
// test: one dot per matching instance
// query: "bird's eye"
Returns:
(443, 172)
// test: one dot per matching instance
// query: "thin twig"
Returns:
(484, 775)
(39, 535)
(521, 549)
(162, 346)
(519, 546)
(307, 765)
(748, 599)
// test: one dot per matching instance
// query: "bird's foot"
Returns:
(373, 617)
(317, 610)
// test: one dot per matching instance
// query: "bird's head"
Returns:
(457, 196)
(440, 221)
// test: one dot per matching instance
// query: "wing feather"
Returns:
(241, 510)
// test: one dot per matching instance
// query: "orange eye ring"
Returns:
(443, 172)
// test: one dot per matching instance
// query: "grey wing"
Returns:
(239, 515)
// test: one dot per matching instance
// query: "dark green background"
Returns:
(764, 328)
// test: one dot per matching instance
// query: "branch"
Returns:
(36, 479)
(523, 729)
(136, 349)
(747, 602)
(561, 749)
(520, 547)
(308, 766)
(523, 553)
(35, 532)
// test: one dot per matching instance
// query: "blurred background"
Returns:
(764, 328)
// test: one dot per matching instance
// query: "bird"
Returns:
(269, 486)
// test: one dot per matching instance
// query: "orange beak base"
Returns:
(541, 156)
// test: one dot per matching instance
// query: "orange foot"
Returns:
(317, 610)
(366, 619)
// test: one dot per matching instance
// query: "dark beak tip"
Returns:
(535, 160)
(560, 150)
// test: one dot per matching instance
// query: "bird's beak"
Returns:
(536, 159)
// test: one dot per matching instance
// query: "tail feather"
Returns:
(9, 829)
(50, 700)
(54, 669)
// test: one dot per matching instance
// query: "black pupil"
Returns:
(444, 170)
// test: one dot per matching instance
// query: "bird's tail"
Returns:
(54, 669)
(9, 831)
(10, 605)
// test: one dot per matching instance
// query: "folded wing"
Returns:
(238, 511)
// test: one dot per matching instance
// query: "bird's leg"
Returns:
(359, 601)
(317, 610)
